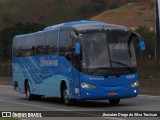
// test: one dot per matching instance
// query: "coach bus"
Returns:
(83, 60)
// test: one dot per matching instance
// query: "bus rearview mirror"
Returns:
(142, 45)
(78, 48)
(140, 41)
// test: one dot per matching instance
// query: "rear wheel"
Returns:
(114, 101)
(30, 96)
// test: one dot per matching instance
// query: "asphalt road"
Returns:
(13, 101)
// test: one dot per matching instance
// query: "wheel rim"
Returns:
(66, 96)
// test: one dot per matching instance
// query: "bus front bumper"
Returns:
(109, 93)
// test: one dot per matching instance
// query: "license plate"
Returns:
(112, 93)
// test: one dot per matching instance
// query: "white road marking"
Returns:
(6, 85)
(32, 105)
(148, 96)
(12, 92)
(112, 118)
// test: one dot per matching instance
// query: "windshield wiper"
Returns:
(100, 68)
(123, 65)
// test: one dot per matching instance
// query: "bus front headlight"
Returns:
(86, 85)
(135, 84)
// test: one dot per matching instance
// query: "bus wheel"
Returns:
(114, 101)
(65, 96)
(28, 93)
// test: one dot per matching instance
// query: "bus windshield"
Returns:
(101, 50)
(95, 50)
(121, 54)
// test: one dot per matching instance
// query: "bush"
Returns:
(113, 6)
(6, 17)
(98, 4)
(99, 1)
(84, 8)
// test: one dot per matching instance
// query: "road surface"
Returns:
(13, 101)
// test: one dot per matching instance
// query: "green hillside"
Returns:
(49, 12)
(26, 16)
(132, 15)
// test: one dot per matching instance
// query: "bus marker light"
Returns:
(87, 93)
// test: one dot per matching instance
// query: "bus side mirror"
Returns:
(78, 48)
(140, 41)
(142, 45)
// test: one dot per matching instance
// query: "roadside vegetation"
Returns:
(50, 12)
(7, 34)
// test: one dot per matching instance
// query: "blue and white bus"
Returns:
(83, 60)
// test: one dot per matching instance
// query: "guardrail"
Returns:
(150, 86)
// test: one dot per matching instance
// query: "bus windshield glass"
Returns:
(107, 50)
(121, 54)
(95, 50)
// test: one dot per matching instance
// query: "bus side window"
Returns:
(27, 52)
(50, 50)
(40, 41)
(19, 46)
(30, 51)
(51, 42)
(66, 44)
(19, 52)
(47, 49)
(33, 51)
(41, 50)
(66, 52)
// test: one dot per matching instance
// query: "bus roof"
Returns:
(84, 25)
(81, 25)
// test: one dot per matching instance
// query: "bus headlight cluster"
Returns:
(134, 84)
(86, 85)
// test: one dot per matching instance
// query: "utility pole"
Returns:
(157, 30)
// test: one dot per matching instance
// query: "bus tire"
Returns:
(114, 101)
(65, 96)
(30, 96)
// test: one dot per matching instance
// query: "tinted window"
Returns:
(51, 41)
(65, 42)
(36, 44)
(19, 46)
(29, 42)
(95, 52)
(15, 47)
(40, 41)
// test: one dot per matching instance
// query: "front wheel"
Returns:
(65, 96)
(114, 101)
